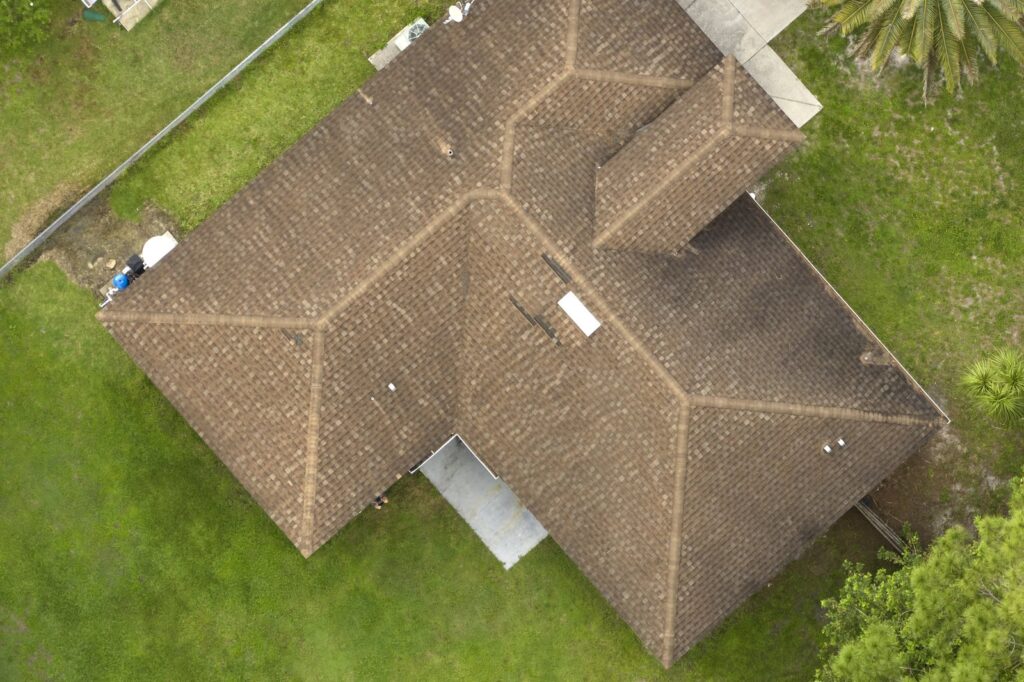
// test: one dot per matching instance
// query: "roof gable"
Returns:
(686, 167)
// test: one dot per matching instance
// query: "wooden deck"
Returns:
(128, 13)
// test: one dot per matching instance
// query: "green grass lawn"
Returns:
(77, 106)
(128, 552)
(283, 95)
(914, 213)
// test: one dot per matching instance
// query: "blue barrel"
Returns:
(120, 281)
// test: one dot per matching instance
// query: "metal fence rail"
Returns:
(29, 248)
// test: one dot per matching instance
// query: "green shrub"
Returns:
(23, 23)
(997, 386)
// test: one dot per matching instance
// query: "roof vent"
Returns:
(829, 448)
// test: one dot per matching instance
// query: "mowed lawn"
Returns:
(128, 552)
(73, 109)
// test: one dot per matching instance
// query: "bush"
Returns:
(997, 386)
(23, 23)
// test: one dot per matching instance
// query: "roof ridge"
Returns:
(765, 133)
(508, 143)
(675, 539)
(572, 34)
(728, 89)
(399, 254)
(656, 191)
(312, 445)
(798, 409)
(611, 76)
(207, 319)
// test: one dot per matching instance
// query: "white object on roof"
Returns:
(579, 314)
(155, 248)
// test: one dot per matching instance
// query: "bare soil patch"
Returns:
(86, 245)
(39, 215)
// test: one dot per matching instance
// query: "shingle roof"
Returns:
(675, 455)
(686, 167)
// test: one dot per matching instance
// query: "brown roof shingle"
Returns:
(367, 256)
(687, 166)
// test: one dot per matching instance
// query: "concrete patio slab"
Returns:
(770, 17)
(489, 506)
(726, 27)
(779, 81)
(383, 56)
(743, 28)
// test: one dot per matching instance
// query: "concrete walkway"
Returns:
(489, 506)
(743, 28)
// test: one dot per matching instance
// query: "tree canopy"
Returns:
(23, 23)
(944, 36)
(953, 613)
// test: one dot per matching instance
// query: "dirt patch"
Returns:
(39, 215)
(922, 492)
(96, 236)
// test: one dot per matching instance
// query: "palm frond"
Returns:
(969, 57)
(866, 43)
(909, 34)
(948, 49)
(953, 13)
(910, 8)
(1011, 9)
(922, 47)
(856, 13)
(1009, 34)
(981, 26)
(893, 27)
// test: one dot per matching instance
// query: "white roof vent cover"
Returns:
(579, 313)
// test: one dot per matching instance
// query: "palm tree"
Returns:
(997, 384)
(945, 35)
